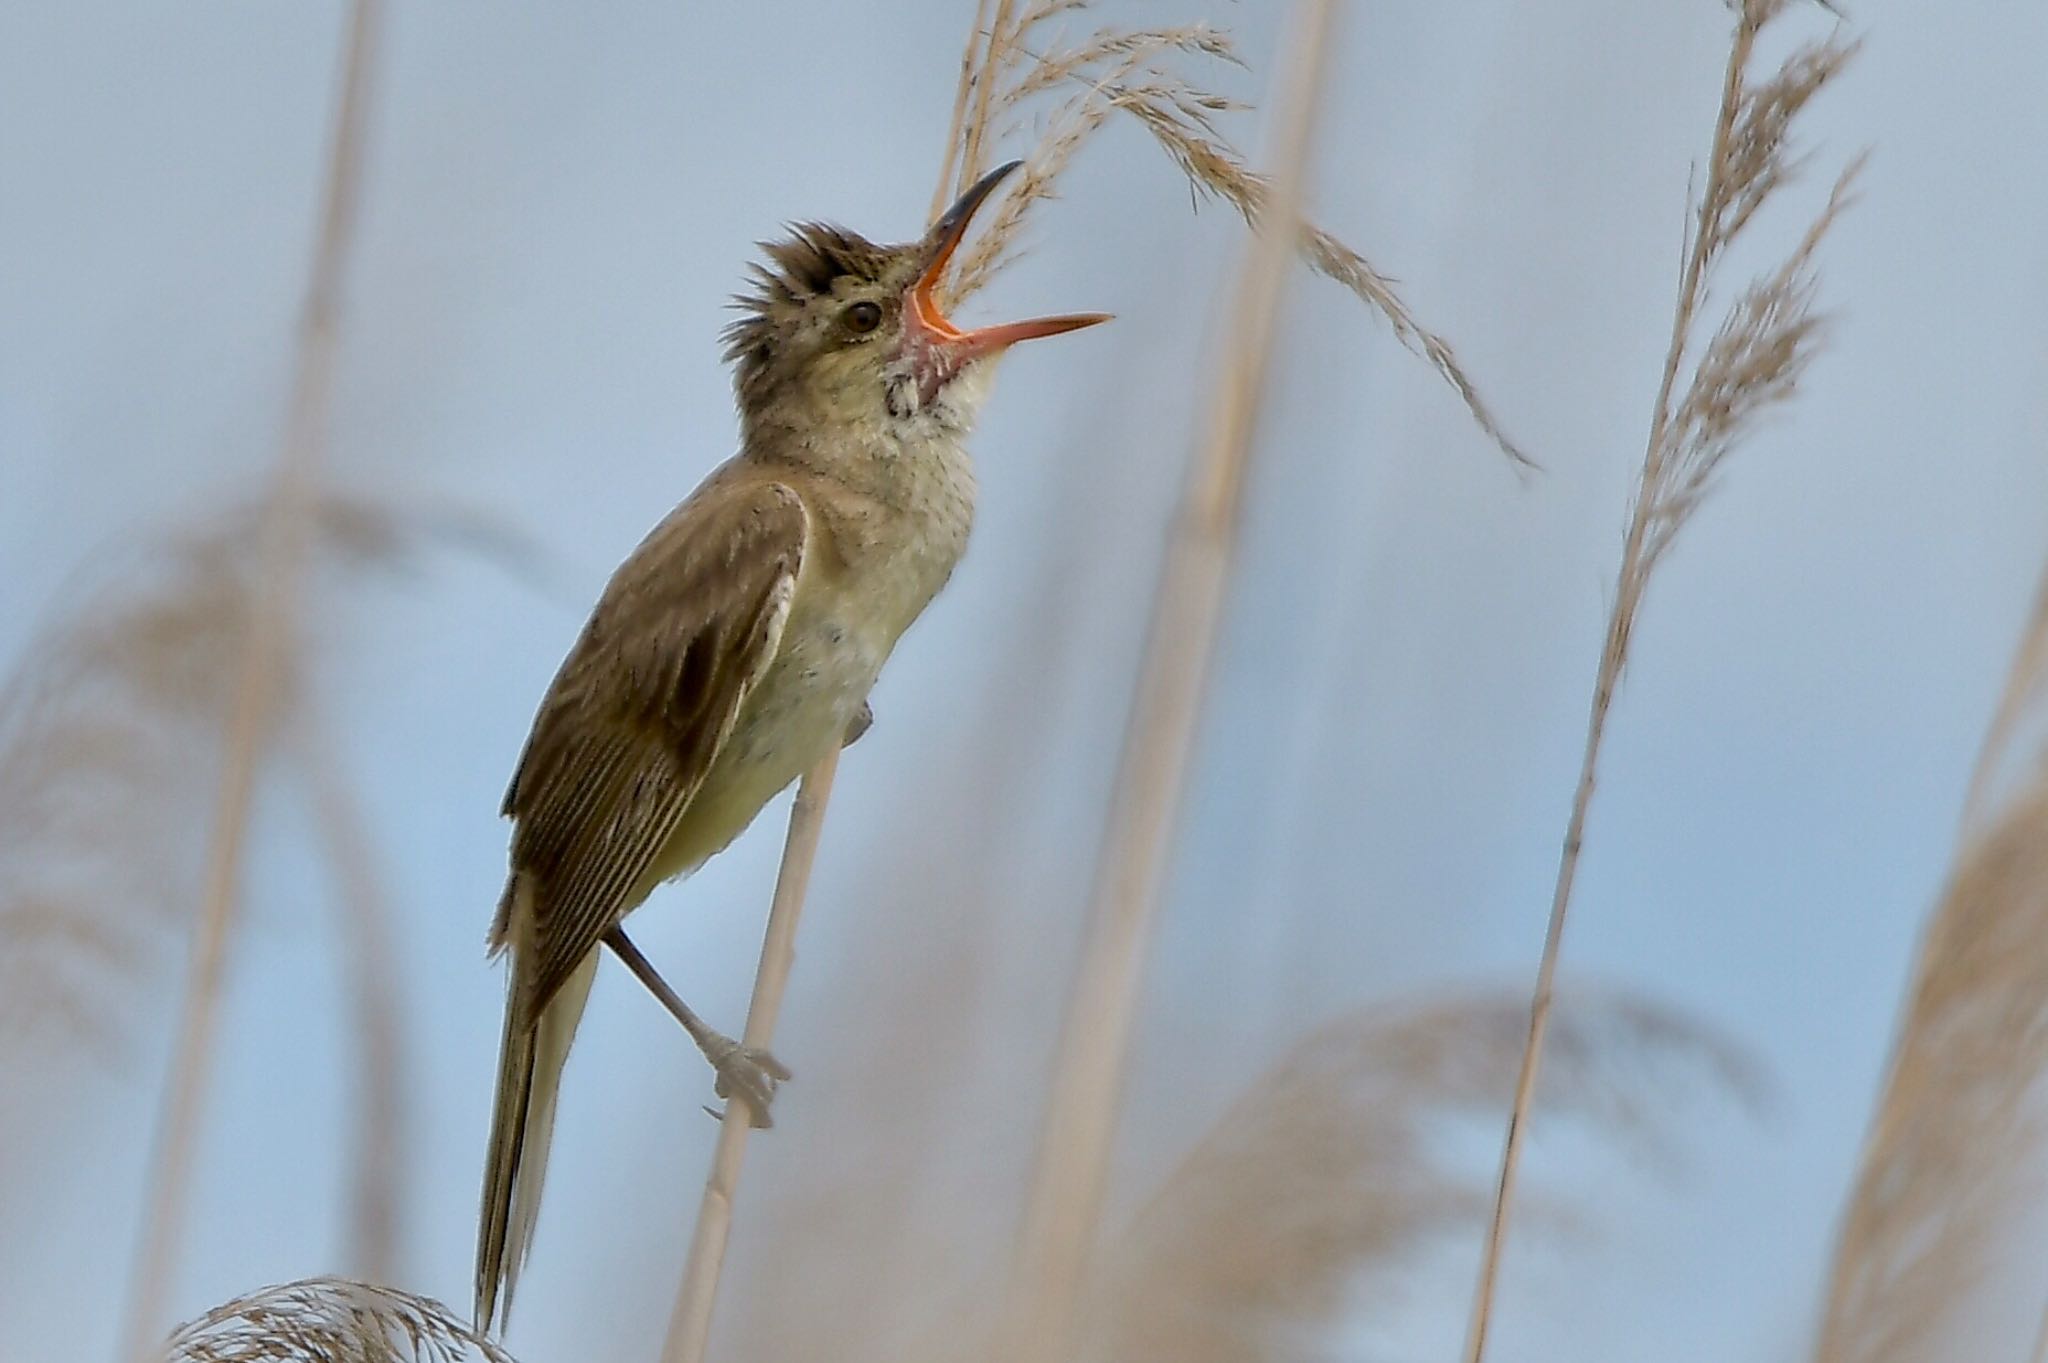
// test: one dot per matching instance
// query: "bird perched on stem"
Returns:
(732, 649)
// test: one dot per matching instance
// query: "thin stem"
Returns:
(1634, 577)
(689, 1330)
(370, 970)
(260, 679)
(943, 192)
(991, 71)
(1080, 1122)
(2020, 682)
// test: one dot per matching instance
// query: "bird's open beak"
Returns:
(921, 304)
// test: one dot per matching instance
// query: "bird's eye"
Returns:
(862, 318)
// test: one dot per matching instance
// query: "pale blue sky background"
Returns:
(559, 200)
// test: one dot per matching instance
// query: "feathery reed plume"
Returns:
(1751, 363)
(1953, 1149)
(1949, 1152)
(118, 710)
(110, 713)
(1327, 1176)
(1137, 72)
(1323, 1167)
(689, 1330)
(329, 1320)
(1122, 70)
(1066, 1196)
(993, 51)
(264, 661)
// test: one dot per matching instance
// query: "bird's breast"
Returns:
(872, 568)
(891, 556)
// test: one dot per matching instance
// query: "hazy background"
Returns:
(559, 201)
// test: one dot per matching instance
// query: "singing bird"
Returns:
(733, 648)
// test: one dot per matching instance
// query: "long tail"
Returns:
(530, 1062)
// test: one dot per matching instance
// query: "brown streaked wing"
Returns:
(638, 711)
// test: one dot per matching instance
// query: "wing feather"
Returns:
(637, 714)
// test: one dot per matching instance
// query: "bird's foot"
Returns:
(748, 1073)
(862, 721)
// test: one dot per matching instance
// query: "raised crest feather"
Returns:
(807, 265)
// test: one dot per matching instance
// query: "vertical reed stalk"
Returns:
(689, 1330)
(1753, 361)
(370, 966)
(993, 57)
(260, 675)
(1080, 1122)
(1613, 656)
(941, 191)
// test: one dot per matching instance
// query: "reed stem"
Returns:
(689, 1331)
(260, 677)
(1080, 1122)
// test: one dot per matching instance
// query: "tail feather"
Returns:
(530, 1060)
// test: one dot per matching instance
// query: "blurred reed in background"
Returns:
(1951, 1163)
(191, 665)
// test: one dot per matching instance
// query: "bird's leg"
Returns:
(858, 725)
(746, 1072)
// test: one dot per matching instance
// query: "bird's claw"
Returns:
(748, 1073)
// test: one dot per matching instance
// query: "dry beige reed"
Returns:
(1951, 1157)
(1057, 1243)
(1021, 66)
(1750, 363)
(2004, 757)
(1112, 71)
(1325, 1171)
(262, 666)
(1003, 75)
(329, 1320)
(1951, 1161)
(1315, 1195)
(378, 1190)
(116, 711)
(689, 1332)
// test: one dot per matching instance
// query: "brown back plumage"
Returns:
(850, 480)
(630, 727)
(638, 710)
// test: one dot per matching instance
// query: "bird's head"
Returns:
(839, 328)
